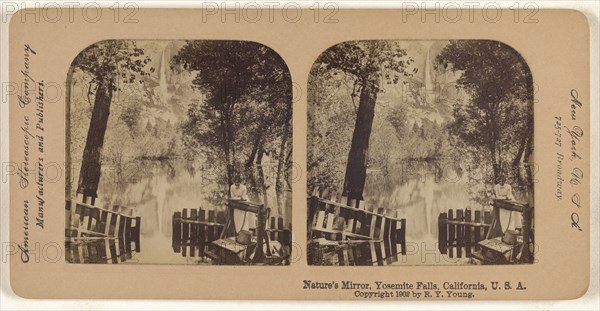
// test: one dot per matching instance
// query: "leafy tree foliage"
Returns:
(498, 116)
(441, 121)
(369, 65)
(245, 112)
(110, 64)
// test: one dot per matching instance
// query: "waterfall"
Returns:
(163, 76)
(430, 95)
(429, 87)
(163, 93)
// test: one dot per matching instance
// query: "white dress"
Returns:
(243, 220)
(508, 219)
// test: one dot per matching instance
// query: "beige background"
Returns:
(556, 49)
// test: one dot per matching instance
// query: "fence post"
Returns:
(193, 232)
(378, 253)
(112, 226)
(451, 234)
(220, 220)
(487, 219)
(386, 236)
(443, 233)
(211, 229)
(459, 233)
(403, 235)
(340, 257)
(102, 225)
(185, 234)
(273, 227)
(329, 216)
(201, 232)
(394, 237)
(527, 256)
(468, 227)
(122, 250)
(112, 252)
(280, 229)
(136, 234)
(312, 212)
(477, 229)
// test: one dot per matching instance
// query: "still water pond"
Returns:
(155, 190)
(419, 194)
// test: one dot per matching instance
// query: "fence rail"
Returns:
(97, 234)
(98, 250)
(355, 253)
(461, 230)
(352, 221)
(194, 229)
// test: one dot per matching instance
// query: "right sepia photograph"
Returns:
(420, 153)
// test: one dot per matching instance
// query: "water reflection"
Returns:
(99, 250)
(378, 253)
(358, 253)
(420, 193)
(155, 190)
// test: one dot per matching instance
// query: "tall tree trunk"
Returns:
(250, 167)
(68, 172)
(89, 175)
(261, 176)
(495, 165)
(252, 155)
(280, 169)
(530, 168)
(521, 160)
(492, 143)
(229, 170)
(227, 145)
(356, 169)
(520, 151)
(516, 164)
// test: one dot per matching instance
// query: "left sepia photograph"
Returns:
(179, 152)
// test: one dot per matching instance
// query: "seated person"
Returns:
(508, 219)
(502, 190)
(243, 220)
(238, 190)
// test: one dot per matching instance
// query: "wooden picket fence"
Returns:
(98, 251)
(278, 232)
(352, 220)
(194, 229)
(355, 253)
(462, 230)
(97, 234)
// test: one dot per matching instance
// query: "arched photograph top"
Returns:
(420, 153)
(180, 153)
